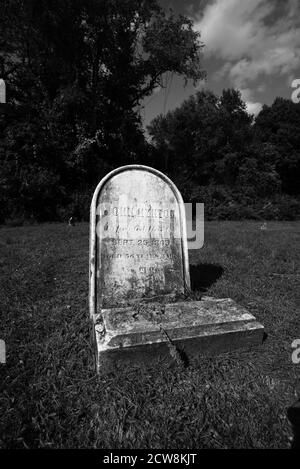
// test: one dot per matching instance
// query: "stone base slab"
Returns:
(144, 332)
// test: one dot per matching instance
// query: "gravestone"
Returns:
(139, 277)
(2, 91)
(2, 351)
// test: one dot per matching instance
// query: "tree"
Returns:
(279, 125)
(213, 152)
(203, 134)
(76, 72)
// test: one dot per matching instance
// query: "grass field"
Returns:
(50, 396)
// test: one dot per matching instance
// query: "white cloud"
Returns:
(252, 106)
(253, 37)
(227, 28)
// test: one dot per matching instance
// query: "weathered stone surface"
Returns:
(196, 327)
(2, 351)
(2, 91)
(140, 247)
(140, 253)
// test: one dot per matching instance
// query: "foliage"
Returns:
(233, 164)
(279, 125)
(76, 72)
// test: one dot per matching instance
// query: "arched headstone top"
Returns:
(140, 168)
(138, 241)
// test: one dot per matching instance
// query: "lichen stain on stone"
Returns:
(133, 281)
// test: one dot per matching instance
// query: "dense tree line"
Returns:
(239, 166)
(76, 73)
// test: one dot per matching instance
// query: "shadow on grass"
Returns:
(204, 275)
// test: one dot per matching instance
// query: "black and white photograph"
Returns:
(149, 227)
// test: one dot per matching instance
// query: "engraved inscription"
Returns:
(139, 232)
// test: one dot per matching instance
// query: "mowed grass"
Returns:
(50, 396)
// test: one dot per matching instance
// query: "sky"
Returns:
(251, 45)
